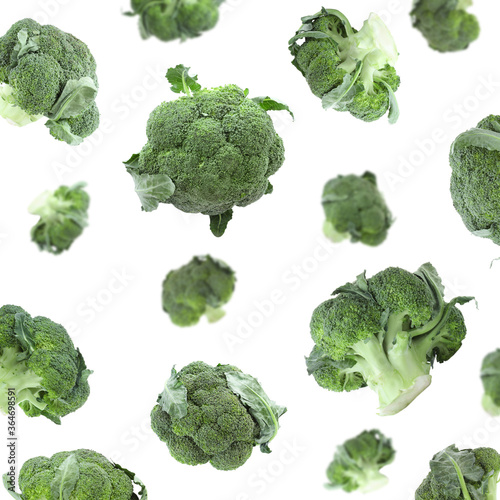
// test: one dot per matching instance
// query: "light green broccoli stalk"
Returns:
(47, 72)
(445, 24)
(356, 464)
(214, 414)
(207, 151)
(490, 377)
(199, 288)
(76, 475)
(63, 217)
(349, 70)
(171, 19)
(385, 332)
(39, 361)
(475, 178)
(355, 208)
(461, 475)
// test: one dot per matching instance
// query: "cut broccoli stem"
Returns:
(332, 234)
(10, 111)
(490, 406)
(370, 479)
(49, 207)
(214, 314)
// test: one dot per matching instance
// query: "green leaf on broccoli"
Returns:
(181, 81)
(173, 399)
(65, 479)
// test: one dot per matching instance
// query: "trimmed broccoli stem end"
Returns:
(10, 111)
(214, 314)
(490, 406)
(492, 487)
(371, 479)
(15, 374)
(332, 234)
(48, 206)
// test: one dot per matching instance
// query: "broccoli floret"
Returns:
(355, 208)
(200, 287)
(63, 217)
(445, 24)
(349, 70)
(39, 361)
(171, 19)
(214, 414)
(81, 475)
(207, 151)
(356, 464)
(490, 376)
(475, 178)
(461, 474)
(47, 72)
(385, 332)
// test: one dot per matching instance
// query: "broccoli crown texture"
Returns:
(445, 24)
(47, 72)
(40, 363)
(355, 208)
(490, 376)
(214, 414)
(171, 19)
(475, 178)
(63, 217)
(461, 474)
(200, 287)
(385, 332)
(349, 70)
(207, 151)
(76, 475)
(356, 464)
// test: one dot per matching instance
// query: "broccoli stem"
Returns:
(371, 480)
(214, 314)
(490, 406)
(10, 111)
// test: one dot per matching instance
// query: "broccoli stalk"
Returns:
(490, 377)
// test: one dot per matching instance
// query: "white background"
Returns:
(275, 245)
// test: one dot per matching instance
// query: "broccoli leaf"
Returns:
(13, 494)
(22, 333)
(181, 81)
(143, 493)
(359, 287)
(65, 479)
(478, 137)
(318, 360)
(219, 222)
(24, 45)
(173, 399)
(265, 411)
(340, 97)
(393, 103)
(268, 104)
(75, 98)
(61, 130)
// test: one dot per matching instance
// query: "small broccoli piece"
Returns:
(47, 72)
(207, 151)
(39, 361)
(214, 414)
(171, 19)
(355, 208)
(80, 475)
(349, 70)
(356, 464)
(445, 24)
(385, 332)
(200, 287)
(475, 178)
(63, 217)
(490, 377)
(461, 474)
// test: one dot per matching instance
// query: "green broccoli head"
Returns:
(349, 70)
(63, 217)
(490, 377)
(385, 332)
(214, 414)
(461, 474)
(81, 475)
(47, 72)
(445, 24)
(39, 361)
(207, 151)
(355, 208)
(475, 178)
(200, 287)
(171, 19)
(356, 464)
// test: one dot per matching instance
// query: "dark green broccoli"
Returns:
(171, 19)
(475, 178)
(349, 70)
(461, 474)
(50, 73)
(39, 361)
(490, 376)
(200, 287)
(214, 414)
(76, 475)
(207, 151)
(385, 332)
(63, 217)
(445, 24)
(356, 464)
(355, 208)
